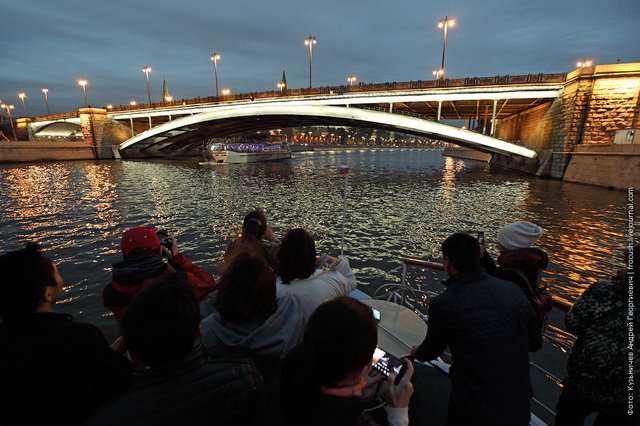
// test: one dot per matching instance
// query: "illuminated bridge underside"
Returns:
(188, 133)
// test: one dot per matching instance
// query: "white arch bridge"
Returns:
(186, 134)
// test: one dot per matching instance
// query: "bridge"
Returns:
(538, 123)
(414, 107)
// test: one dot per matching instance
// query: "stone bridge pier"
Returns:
(575, 135)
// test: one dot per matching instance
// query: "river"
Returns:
(399, 203)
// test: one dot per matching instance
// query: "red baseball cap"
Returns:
(139, 237)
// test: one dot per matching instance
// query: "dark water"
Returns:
(400, 203)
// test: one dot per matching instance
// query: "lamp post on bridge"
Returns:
(584, 63)
(84, 83)
(281, 86)
(9, 108)
(147, 70)
(46, 99)
(352, 79)
(310, 41)
(438, 72)
(215, 57)
(445, 24)
(22, 96)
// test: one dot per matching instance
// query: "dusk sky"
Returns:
(45, 43)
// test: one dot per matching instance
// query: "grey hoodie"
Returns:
(274, 336)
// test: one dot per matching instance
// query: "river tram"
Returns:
(401, 333)
(238, 151)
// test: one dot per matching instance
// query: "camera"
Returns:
(164, 240)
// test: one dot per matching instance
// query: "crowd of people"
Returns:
(276, 339)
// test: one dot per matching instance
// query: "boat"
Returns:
(235, 151)
(547, 365)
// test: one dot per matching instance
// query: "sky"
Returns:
(54, 43)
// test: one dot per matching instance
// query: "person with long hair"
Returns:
(53, 370)
(245, 318)
(302, 272)
(257, 237)
(324, 377)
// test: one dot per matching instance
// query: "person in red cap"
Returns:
(145, 261)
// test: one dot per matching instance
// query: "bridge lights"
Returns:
(445, 24)
(147, 70)
(351, 79)
(215, 57)
(22, 96)
(84, 83)
(281, 86)
(46, 99)
(310, 41)
(583, 63)
(133, 103)
(226, 92)
(438, 72)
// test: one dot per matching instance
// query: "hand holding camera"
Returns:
(168, 244)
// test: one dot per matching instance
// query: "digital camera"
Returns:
(164, 239)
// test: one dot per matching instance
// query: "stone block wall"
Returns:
(612, 166)
(531, 128)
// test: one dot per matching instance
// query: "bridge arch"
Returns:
(188, 132)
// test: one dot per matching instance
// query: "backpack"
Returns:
(539, 296)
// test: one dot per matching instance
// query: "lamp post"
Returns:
(22, 96)
(147, 70)
(351, 79)
(9, 108)
(445, 23)
(310, 41)
(281, 86)
(226, 92)
(438, 72)
(84, 83)
(215, 57)
(46, 99)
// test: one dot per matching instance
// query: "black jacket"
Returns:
(56, 371)
(489, 327)
(195, 391)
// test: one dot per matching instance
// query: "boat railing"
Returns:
(547, 364)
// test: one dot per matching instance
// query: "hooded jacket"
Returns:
(130, 276)
(270, 337)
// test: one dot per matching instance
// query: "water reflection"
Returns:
(400, 203)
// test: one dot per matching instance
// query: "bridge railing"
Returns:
(341, 90)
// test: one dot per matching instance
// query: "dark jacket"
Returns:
(331, 410)
(489, 327)
(56, 371)
(195, 391)
(132, 275)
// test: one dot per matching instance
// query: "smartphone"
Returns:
(376, 314)
(384, 363)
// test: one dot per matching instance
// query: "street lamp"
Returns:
(46, 99)
(133, 103)
(310, 41)
(84, 83)
(351, 79)
(215, 57)
(24, 105)
(584, 63)
(281, 86)
(9, 108)
(147, 70)
(445, 23)
(226, 92)
(438, 72)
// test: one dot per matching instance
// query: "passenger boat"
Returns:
(233, 151)
(547, 365)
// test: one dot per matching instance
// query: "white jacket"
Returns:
(322, 285)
